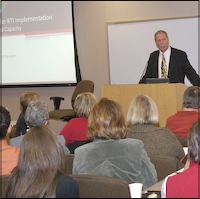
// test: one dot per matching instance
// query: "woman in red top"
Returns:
(75, 130)
(186, 184)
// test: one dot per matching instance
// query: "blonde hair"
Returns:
(41, 157)
(27, 97)
(106, 121)
(142, 110)
(84, 103)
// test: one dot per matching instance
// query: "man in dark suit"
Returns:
(178, 65)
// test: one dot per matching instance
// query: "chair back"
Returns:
(69, 158)
(165, 166)
(76, 144)
(91, 186)
(69, 113)
(183, 141)
(81, 87)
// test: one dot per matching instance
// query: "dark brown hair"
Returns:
(4, 122)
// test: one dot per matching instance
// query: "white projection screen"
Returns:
(37, 43)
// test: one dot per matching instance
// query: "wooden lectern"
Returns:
(168, 97)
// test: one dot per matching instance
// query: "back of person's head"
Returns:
(5, 122)
(27, 97)
(191, 97)
(84, 103)
(36, 113)
(41, 157)
(142, 110)
(106, 121)
(194, 143)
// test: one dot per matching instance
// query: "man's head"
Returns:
(4, 122)
(36, 114)
(162, 40)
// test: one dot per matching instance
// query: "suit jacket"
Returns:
(179, 67)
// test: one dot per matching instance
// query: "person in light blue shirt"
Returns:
(37, 114)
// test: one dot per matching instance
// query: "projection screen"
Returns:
(38, 43)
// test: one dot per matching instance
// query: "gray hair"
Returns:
(194, 143)
(191, 97)
(36, 114)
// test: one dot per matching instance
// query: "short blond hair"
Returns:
(142, 110)
(84, 103)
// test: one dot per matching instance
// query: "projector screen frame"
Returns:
(77, 67)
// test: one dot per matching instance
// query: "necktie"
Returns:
(163, 67)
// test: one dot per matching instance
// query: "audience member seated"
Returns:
(37, 113)
(181, 122)
(143, 119)
(110, 153)
(25, 99)
(9, 155)
(185, 184)
(74, 131)
(40, 170)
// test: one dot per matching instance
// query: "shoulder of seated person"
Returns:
(17, 138)
(132, 141)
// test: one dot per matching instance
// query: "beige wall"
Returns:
(91, 18)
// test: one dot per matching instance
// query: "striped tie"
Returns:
(163, 67)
